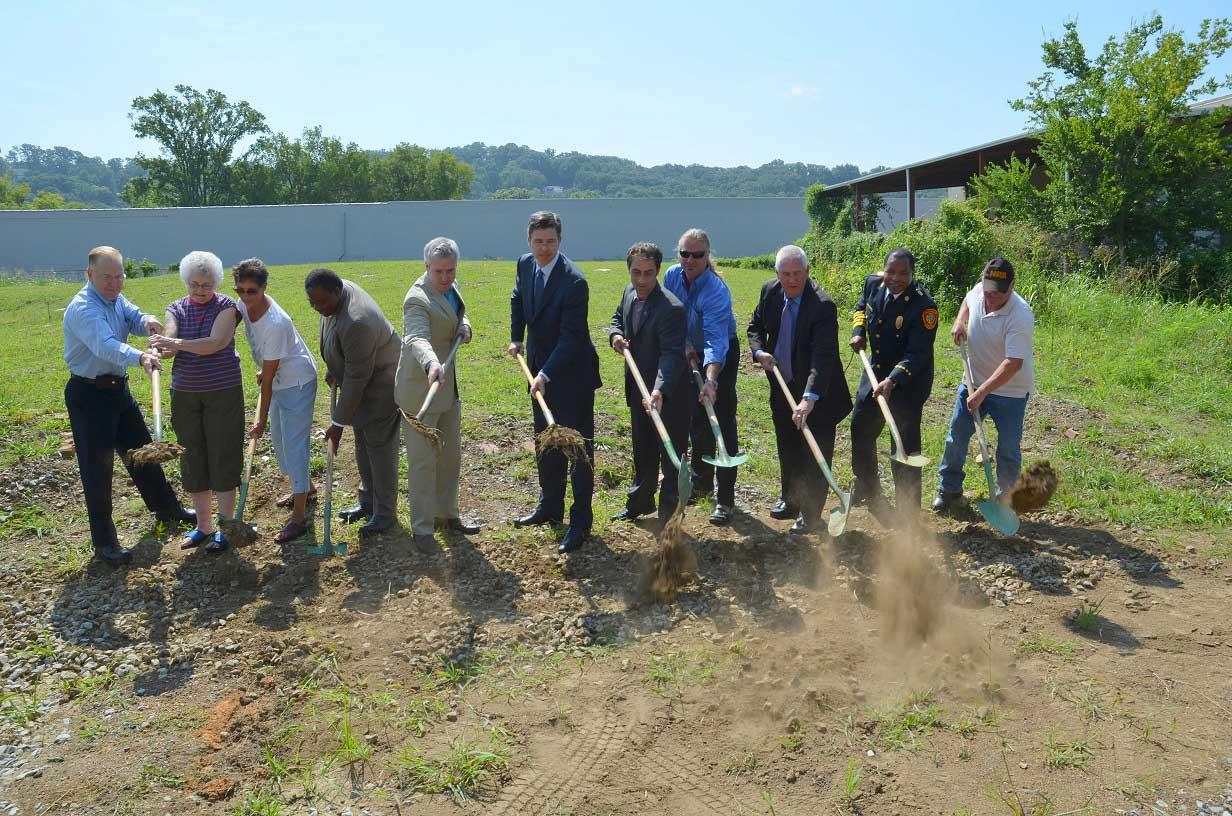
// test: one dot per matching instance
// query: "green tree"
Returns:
(412, 173)
(13, 196)
(512, 192)
(821, 209)
(1129, 164)
(1009, 192)
(198, 133)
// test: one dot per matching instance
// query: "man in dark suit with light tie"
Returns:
(795, 326)
(650, 323)
(549, 307)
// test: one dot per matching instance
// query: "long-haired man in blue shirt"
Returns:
(710, 343)
(102, 412)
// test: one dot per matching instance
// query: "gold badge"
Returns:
(930, 319)
(898, 322)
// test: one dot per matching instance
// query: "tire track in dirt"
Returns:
(585, 755)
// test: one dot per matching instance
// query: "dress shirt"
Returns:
(795, 319)
(452, 297)
(96, 332)
(708, 308)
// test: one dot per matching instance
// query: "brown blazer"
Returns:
(360, 348)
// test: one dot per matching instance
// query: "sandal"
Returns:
(291, 531)
(218, 543)
(286, 499)
(193, 540)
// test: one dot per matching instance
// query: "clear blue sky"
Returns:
(723, 83)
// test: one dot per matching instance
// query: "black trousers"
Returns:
(649, 455)
(106, 422)
(866, 425)
(701, 437)
(575, 409)
(801, 482)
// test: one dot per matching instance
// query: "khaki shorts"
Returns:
(210, 426)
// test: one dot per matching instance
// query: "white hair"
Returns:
(787, 253)
(200, 262)
(441, 247)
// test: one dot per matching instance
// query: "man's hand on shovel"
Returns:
(333, 435)
(655, 403)
(435, 373)
(974, 400)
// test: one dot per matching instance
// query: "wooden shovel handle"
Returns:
(885, 406)
(969, 378)
(530, 379)
(436, 386)
(157, 389)
(808, 434)
(654, 415)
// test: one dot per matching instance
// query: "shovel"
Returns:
(567, 440)
(916, 460)
(235, 528)
(722, 459)
(416, 422)
(157, 451)
(1001, 517)
(838, 518)
(326, 547)
(684, 480)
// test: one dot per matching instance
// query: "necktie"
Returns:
(539, 283)
(782, 348)
(639, 309)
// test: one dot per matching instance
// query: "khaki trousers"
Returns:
(433, 472)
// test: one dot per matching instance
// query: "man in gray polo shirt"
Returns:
(999, 328)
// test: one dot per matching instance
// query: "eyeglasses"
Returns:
(684, 253)
(201, 286)
(240, 290)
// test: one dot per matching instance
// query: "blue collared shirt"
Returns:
(96, 332)
(451, 295)
(708, 310)
(795, 313)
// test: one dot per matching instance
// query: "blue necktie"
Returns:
(782, 348)
(539, 275)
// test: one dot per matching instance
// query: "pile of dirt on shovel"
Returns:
(155, 453)
(1034, 487)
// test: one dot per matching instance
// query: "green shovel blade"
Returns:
(838, 517)
(1002, 518)
(684, 484)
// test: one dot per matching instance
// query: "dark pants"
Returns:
(571, 409)
(701, 437)
(106, 422)
(649, 455)
(866, 425)
(801, 482)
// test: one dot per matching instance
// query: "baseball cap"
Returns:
(998, 275)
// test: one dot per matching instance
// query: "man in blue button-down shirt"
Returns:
(710, 343)
(103, 414)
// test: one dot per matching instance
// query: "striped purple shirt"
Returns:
(203, 372)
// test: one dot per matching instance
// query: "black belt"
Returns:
(107, 382)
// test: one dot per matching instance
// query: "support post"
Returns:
(910, 197)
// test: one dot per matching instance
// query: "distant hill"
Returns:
(507, 171)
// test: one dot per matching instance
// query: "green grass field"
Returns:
(1147, 386)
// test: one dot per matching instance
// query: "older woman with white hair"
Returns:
(207, 394)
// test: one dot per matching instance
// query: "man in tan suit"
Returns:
(433, 317)
(360, 349)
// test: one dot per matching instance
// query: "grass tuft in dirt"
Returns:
(1067, 754)
(904, 727)
(462, 771)
(1086, 617)
(1043, 644)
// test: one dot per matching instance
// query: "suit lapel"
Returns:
(647, 309)
(558, 272)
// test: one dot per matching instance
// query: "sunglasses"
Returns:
(697, 255)
(239, 290)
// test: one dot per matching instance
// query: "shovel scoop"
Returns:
(915, 460)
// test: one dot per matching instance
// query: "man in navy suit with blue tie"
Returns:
(549, 308)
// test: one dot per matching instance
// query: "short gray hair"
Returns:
(200, 262)
(787, 253)
(440, 247)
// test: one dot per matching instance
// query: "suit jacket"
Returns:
(429, 326)
(900, 337)
(658, 344)
(556, 329)
(814, 352)
(360, 348)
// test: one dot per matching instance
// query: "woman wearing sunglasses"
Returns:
(288, 379)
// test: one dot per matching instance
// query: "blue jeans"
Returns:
(1007, 414)
(290, 422)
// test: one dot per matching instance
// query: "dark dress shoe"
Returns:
(178, 515)
(113, 555)
(721, 516)
(631, 515)
(356, 513)
(574, 538)
(539, 516)
(457, 525)
(376, 524)
(425, 543)
(946, 501)
(783, 510)
(803, 526)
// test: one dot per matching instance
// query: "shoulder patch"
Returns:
(930, 319)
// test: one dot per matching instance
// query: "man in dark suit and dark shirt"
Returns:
(897, 319)
(549, 307)
(650, 323)
(795, 326)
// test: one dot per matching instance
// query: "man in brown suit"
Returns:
(361, 349)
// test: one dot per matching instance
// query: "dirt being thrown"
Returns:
(567, 440)
(674, 566)
(433, 435)
(155, 453)
(1034, 487)
(912, 593)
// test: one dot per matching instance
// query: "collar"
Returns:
(546, 270)
(99, 295)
